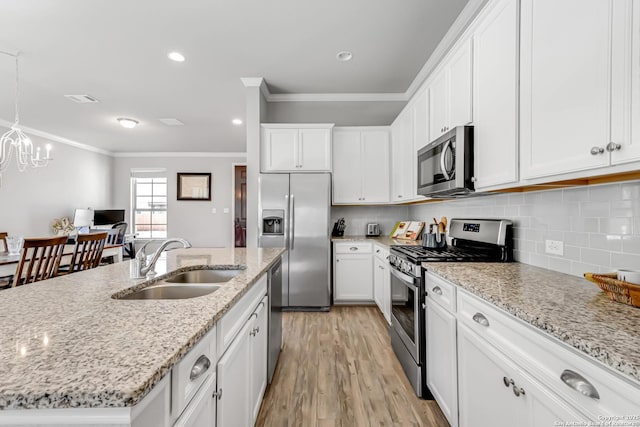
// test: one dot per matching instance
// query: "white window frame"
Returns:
(148, 174)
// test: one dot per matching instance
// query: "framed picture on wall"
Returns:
(194, 186)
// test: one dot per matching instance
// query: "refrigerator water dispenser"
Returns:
(273, 222)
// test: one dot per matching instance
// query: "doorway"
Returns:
(240, 206)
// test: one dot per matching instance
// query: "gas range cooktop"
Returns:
(418, 254)
(473, 240)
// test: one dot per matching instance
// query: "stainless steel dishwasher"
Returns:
(275, 317)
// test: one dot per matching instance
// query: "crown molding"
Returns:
(257, 82)
(337, 97)
(180, 154)
(57, 138)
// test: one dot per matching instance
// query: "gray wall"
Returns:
(192, 220)
(353, 113)
(76, 178)
(599, 225)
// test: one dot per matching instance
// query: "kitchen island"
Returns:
(68, 343)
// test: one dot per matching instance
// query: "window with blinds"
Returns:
(149, 203)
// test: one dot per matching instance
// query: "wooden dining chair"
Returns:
(40, 259)
(87, 253)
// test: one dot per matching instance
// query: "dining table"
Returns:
(9, 262)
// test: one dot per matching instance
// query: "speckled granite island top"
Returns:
(66, 343)
(567, 307)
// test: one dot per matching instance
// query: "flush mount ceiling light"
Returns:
(127, 123)
(236, 122)
(344, 56)
(16, 140)
(176, 56)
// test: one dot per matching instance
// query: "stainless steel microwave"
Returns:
(445, 166)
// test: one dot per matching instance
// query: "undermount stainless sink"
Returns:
(165, 291)
(205, 276)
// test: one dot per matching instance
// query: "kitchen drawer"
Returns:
(191, 372)
(547, 358)
(381, 252)
(235, 318)
(353, 248)
(441, 291)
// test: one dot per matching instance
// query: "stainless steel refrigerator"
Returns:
(295, 214)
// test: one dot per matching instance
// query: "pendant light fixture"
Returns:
(15, 140)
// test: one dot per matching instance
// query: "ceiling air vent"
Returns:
(82, 99)
(171, 122)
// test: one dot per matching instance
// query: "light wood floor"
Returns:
(338, 369)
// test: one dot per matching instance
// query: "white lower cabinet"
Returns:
(495, 392)
(259, 338)
(353, 272)
(234, 381)
(441, 359)
(382, 283)
(201, 412)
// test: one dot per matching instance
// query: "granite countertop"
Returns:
(566, 307)
(66, 343)
(383, 239)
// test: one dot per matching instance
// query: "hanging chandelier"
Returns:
(15, 140)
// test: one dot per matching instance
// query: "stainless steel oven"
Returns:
(445, 166)
(407, 323)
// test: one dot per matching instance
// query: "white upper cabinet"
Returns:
(360, 165)
(625, 83)
(495, 71)
(450, 92)
(565, 64)
(295, 148)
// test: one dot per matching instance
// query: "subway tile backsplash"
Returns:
(599, 225)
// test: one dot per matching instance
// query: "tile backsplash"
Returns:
(357, 217)
(599, 225)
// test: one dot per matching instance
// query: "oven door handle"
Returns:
(408, 280)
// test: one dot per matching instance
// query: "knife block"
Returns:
(336, 231)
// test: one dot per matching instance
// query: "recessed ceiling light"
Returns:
(344, 56)
(236, 122)
(176, 56)
(128, 123)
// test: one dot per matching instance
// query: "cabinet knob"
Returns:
(507, 381)
(612, 146)
(473, 179)
(399, 196)
(518, 391)
(217, 393)
(596, 150)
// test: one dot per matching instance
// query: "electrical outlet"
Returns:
(554, 247)
(225, 210)
(214, 210)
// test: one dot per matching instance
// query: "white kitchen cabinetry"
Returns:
(353, 272)
(259, 337)
(495, 392)
(495, 72)
(403, 158)
(360, 165)
(450, 92)
(242, 370)
(442, 375)
(201, 412)
(565, 71)
(382, 281)
(294, 148)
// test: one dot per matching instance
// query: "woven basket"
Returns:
(618, 290)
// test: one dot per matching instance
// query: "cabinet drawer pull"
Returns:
(353, 248)
(479, 318)
(200, 367)
(518, 391)
(437, 290)
(579, 383)
(507, 381)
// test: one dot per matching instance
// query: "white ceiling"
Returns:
(115, 50)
